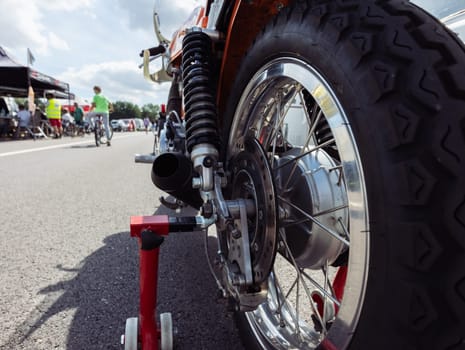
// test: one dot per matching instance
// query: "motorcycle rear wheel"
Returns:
(377, 95)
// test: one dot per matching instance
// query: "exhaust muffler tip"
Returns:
(173, 173)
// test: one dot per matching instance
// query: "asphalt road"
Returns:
(68, 267)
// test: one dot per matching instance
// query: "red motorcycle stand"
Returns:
(144, 330)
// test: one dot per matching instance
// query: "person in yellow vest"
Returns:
(53, 111)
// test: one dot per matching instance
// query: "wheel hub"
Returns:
(311, 191)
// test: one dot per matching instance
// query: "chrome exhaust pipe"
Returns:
(173, 173)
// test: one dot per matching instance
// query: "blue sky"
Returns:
(91, 42)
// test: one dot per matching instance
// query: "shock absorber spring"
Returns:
(202, 140)
(199, 100)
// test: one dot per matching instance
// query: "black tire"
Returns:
(103, 135)
(397, 74)
(97, 136)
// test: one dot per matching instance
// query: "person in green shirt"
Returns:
(78, 114)
(101, 106)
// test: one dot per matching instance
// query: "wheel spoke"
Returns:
(296, 158)
(293, 222)
(279, 119)
(285, 297)
(292, 287)
(316, 116)
(332, 210)
(297, 309)
(323, 289)
(307, 292)
(314, 308)
(315, 221)
(339, 178)
(278, 288)
(278, 124)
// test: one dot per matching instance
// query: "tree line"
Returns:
(121, 109)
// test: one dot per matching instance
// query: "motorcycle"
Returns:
(172, 135)
(169, 136)
(325, 140)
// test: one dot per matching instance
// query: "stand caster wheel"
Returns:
(166, 331)
(130, 337)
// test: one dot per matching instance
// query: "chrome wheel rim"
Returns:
(289, 318)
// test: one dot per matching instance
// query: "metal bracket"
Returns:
(157, 77)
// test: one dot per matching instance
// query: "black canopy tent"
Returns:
(15, 80)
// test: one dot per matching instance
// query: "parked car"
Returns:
(139, 124)
(116, 124)
(125, 124)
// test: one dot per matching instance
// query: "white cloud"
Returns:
(27, 20)
(119, 80)
(56, 42)
(89, 42)
(66, 6)
(23, 21)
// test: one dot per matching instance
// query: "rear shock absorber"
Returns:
(202, 140)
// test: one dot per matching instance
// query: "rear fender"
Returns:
(247, 19)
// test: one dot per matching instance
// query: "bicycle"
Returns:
(69, 128)
(99, 132)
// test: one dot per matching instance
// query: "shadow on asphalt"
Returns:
(83, 146)
(104, 292)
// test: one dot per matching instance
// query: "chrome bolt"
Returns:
(235, 233)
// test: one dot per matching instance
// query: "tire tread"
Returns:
(412, 67)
